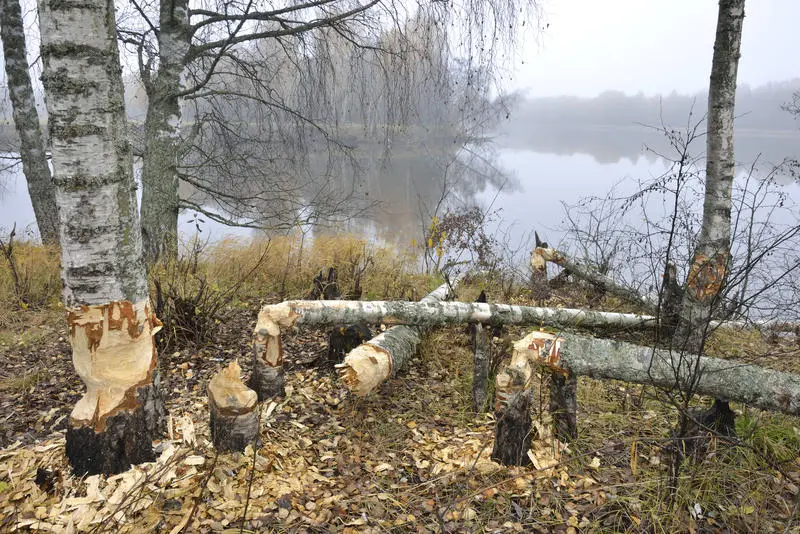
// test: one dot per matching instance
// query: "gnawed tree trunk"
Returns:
(435, 313)
(586, 273)
(369, 365)
(26, 121)
(233, 410)
(163, 145)
(266, 378)
(708, 272)
(513, 397)
(540, 290)
(105, 288)
(729, 380)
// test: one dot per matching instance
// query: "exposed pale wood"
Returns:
(540, 290)
(513, 397)
(233, 410)
(370, 364)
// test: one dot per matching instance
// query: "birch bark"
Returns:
(163, 144)
(105, 288)
(26, 122)
(708, 271)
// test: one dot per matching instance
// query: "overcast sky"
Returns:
(653, 46)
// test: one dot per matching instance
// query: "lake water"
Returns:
(543, 175)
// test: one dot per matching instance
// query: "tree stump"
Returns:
(564, 405)
(540, 291)
(512, 409)
(233, 410)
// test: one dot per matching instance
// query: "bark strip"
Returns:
(233, 410)
(372, 363)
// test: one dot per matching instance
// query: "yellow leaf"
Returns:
(748, 509)
(634, 457)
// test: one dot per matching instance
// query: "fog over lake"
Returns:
(548, 151)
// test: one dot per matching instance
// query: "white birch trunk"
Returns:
(709, 268)
(26, 121)
(711, 257)
(105, 288)
(436, 313)
(163, 144)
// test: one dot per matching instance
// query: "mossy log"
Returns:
(233, 410)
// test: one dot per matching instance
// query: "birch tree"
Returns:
(709, 267)
(192, 54)
(26, 121)
(105, 289)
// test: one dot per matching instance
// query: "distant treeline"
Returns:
(613, 125)
(757, 108)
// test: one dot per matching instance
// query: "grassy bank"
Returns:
(411, 458)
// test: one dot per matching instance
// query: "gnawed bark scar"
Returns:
(707, 276)
(114, 353)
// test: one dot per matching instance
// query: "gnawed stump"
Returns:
(540, 291)
(233, 409)
(113, 425)
(512, 410)
(564, 405)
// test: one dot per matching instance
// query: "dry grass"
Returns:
(624, 430)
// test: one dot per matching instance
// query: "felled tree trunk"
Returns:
(105, 287)
(586, 273)
(233, 410)
(370, 364)
(724, 379)
(435, 313)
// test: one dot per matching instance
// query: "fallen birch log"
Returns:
(728, 380)
(430, 313)
(372, 363)
(586, 273)
(233, 409)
